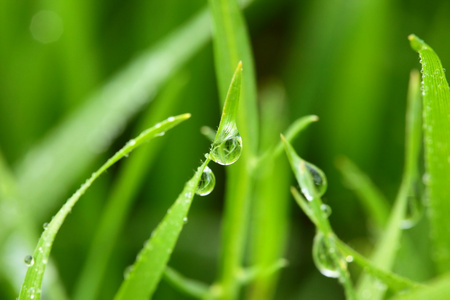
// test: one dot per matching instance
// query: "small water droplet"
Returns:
(29, 260)
(326, 209)
(160, 134)
(206, 183)
(171, 119)
(349, 258)
(322, 257)
(132, 142)
(45, 226)
(228, 151)
(185, 220)
(414, 206)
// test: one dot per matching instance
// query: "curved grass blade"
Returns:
(320, 218)
(145, 274)
(436, 114)
(386, 248)
(373, 201)
(73, 145)
(395, 282)
(121, 196)
(31, 288)
(188, 286)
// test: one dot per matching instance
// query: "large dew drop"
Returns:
(322, 256)
(206, 183)
(228, 151)
(319, 178)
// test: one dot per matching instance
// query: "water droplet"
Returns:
(171, 119)
(228, 151)
(326, 209)
(45, 226)
(185, 220)
(29, 260)
(127, 271)
(319, 178)
(349, 258)
(322, 256)
(206, 183)
(132, 142)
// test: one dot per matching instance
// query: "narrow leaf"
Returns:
(187, 286)
(31, 288)
(438, 289)
(386, 248)
(436, 114)
(145, 274)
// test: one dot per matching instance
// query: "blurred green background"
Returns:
(347, 61)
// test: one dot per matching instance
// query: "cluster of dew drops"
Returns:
(224, 153)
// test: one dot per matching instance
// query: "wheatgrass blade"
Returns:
(123, 194)
(436, 127)
(31, 287)
(145, 274)
(386, 248)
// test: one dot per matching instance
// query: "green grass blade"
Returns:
(73, 145)
(395, 282)
(320, 218)
(188, 286)
(122, 195)
(386, 249)
(31, 288)
(231, 45)
(436, 113)
(374, 203)
(151, 262)
(438, 289)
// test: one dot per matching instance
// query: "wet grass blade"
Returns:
(121, 197)
(83, 135)
(436, 113)
(144, 276)
(386, 248)
(308, 187)
(188, 286)
(231, 45)
(31, 288)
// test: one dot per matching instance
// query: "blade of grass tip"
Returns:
(69, 149)
(231, 45)
(438, 289)
(375, 204)
(122, 195)
(436, 127)
(31, 287)
(146, 272)
(188, 286)
(386, 248)
(395, 282)
(325, 233)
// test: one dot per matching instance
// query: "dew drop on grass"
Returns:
(413, 212)
(45, 226)
(206, 183)
(326, 209)
(319, 178)
(228, 151)
(29, 260)
(323, 259)
(349, 258)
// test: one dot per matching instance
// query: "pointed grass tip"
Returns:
(416, 43)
